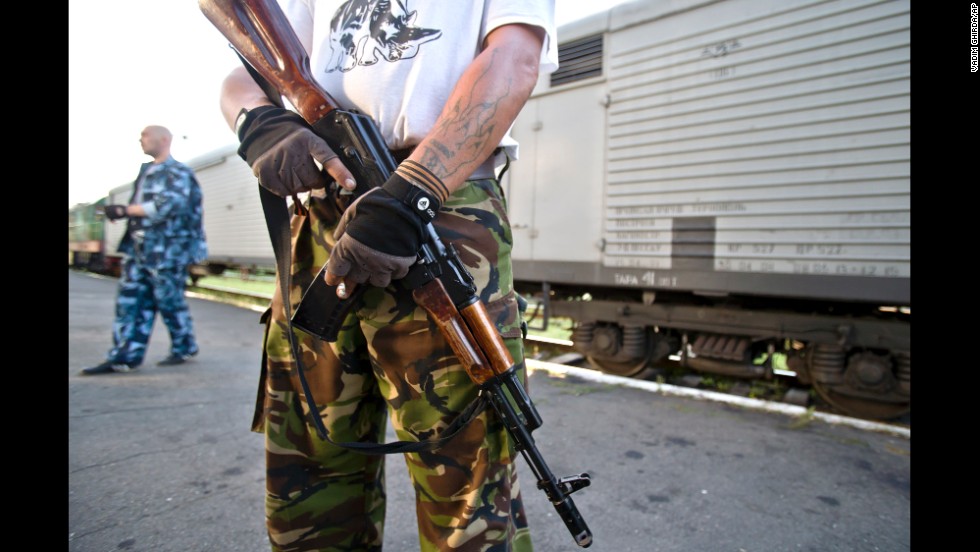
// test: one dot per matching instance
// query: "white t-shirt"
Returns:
(426, 44)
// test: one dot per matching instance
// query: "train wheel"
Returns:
(626, 369)
(860, 407)
(863, 384)
(614, 349)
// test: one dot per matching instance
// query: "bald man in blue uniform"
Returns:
(164, 235)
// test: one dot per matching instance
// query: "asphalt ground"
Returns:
(162, 459)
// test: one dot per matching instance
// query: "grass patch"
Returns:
(804, 419)
(576, 389)
(558, 327)
(254, 286)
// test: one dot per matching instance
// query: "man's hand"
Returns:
(283, 152)
(378, 240)
(115, 212)
(380, 234)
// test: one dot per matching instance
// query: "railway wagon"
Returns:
(718, 184)
(85, 236)
(234, 222)
(92, 239)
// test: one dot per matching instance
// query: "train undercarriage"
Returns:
(855, 357)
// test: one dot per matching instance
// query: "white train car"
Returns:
(723, 180)
(234, 222)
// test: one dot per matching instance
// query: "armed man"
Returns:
(444, 82)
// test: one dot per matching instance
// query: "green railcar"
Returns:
(86, 236)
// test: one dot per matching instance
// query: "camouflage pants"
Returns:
(144, 291)
(391, 362)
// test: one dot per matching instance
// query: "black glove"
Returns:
(380, 234)
(115, 212)
(280, 147)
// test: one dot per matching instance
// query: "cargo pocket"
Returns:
(507, 315)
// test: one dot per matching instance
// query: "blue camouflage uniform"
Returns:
(159, 248)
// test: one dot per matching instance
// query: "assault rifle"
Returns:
(440, 283)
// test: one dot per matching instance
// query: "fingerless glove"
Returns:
(281, 148)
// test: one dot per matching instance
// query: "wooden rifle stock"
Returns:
(261, 34)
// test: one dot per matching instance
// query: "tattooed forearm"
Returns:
(481, 108)
(468, 124)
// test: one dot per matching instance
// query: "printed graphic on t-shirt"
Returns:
(362, 31)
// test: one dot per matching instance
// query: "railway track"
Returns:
(782, 389)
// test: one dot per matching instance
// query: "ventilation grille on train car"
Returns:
(578, 59)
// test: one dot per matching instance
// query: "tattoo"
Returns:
(473, 121)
